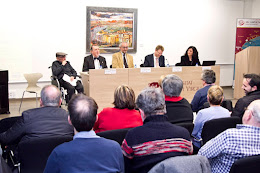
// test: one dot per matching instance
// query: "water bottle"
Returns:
(196, 64)
(135, 66)
(168, 65)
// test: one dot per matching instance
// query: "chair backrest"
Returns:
(214, 127)
(183, 164)
(7, 123)
(188, 126)
(247, 164)
(116, 135)
(34, 153)
(32, 79)
(225, 104)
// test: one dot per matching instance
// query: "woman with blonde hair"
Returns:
(215, 97)
(123, 115)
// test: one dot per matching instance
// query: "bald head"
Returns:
(252, 114)
(50, 96)
(82, 111)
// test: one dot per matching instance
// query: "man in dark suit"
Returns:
(48, 120)
(94, 61)
(156, 59)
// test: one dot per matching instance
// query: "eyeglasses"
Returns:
(124, 47)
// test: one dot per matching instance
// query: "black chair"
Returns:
(7, 123)
(33, 154)
(116, 135)
(247, 164)
(226, 104)
(188, 126)
(214, 127)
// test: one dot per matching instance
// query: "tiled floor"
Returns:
(31, 103)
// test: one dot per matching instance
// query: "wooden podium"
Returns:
(100, 84)
(247, 61)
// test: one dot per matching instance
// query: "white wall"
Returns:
(32, 32)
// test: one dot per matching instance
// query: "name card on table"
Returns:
(145, 70)
(176, 69)
(110, 71)
(206, 68)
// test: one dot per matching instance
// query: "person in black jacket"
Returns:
(47, 121)
(94, 61)
(178, 108)
(66, 75)
(251, 87)
(190, 58)
(156, 59)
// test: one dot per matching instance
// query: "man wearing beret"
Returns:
(66, 75)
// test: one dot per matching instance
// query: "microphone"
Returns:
(168, 65)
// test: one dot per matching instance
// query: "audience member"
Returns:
(208, 78)
(94, 61)
(191, 57)
(215, 97)
(156, 59)
(87, 152)
(157, 139)
(66, 75)
(251, 87)
(235, 143)
(122, 59)
(123, 115)
(46, 121)
(178, 108)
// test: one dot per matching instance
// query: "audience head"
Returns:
(124, 97)
(192, 51)
(95, 50)
(208, 76)
(158, 51)
(123, 47)
(251, 82)
(160, 80)
(151, 101)
(60, 56)
(252, 114)
(82, 112)
(215, 95)
(50, 96)
(172, 85)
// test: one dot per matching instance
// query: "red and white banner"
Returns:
(248, 33)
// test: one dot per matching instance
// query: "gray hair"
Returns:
(172, 85)
(256, 110)
(208, 76)
(50, 95)
(151, 101)
(122, 43)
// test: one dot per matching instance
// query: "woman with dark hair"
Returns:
(191, 57)
(123, 115)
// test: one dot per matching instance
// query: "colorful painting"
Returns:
(108, 27)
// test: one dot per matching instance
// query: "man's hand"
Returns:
(71, 78)
(64, 62)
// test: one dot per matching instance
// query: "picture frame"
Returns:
(108, 27)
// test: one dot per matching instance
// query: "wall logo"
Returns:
(241, 22)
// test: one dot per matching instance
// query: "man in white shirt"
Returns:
(156, 59)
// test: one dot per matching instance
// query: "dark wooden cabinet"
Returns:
(4, 100)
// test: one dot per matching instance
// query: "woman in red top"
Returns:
(123, 115)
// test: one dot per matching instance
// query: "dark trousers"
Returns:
(71, 89)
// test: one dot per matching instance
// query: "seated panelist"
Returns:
(94, 61)
(122, 59)
(156, 59)
(190, 58)
(66, 75)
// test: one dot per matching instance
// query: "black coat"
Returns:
(149, 61)
(39, 122)
(186, 62)
(89, 63)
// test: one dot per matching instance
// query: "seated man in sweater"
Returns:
(208, 78)
(158, 139)
(87, 152)
(178, 108)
